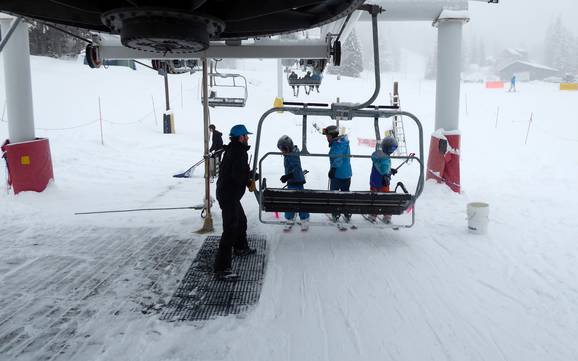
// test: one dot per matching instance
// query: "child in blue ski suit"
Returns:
(340, 171)
(293, 176)
(381, 170)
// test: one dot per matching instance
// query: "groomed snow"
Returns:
(89, 287)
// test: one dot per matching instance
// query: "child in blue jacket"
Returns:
(340, 171)
(293, 176)
(381, 171)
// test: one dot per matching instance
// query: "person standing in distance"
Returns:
(234, 176)
(216, 150)
(216, 139)
(512, 84)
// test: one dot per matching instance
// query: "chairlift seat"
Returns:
(226, 102)
(322, 201)
(237, 82)
(301, 81)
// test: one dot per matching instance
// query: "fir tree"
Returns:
(432, 63)
(45, 40)
(561, 48)
(481, 53)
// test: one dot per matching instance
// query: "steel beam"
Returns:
(260, 49)
(415, 10)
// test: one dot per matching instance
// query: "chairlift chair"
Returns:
(311, 80)
(228, 81)
(324, 201)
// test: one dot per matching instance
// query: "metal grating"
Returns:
(200, 296)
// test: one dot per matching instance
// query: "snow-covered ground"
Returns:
(87, 287)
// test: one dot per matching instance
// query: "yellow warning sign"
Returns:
(25, 160)
(278, 103)
(568, 86)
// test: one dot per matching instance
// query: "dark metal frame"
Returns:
(344, 111)
(333, 113)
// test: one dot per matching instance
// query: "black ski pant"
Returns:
(234, 233)
(337, 184)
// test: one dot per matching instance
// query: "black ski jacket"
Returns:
(234, 173)
(216, 141)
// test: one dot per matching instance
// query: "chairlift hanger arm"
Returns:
(374, 10)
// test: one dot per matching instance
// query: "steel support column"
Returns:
(444, 154)
(18, 83)
(28, 159)
(449, 65)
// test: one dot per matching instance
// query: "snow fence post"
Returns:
(529, 125)
(497, 116)
(154, 110)
(100, 122)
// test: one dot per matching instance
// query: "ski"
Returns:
(369, 218)
(347, 221)
(382, 219)
(289, 227)
(385, 219)
(342, 226)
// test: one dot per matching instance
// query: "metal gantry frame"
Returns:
(342, 111)
(110, 47)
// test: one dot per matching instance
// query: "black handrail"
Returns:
(306, 104)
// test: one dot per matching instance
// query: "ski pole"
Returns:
(405, 161)
(140, 210)
(304, 173)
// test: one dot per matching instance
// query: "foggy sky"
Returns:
(509, 24)
(520, 23)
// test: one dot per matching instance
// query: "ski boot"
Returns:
(304, 225)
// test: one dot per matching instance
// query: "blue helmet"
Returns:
(389, 145)
(238, 130)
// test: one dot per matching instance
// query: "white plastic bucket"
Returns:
(478, 217)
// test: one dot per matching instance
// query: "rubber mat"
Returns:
(200, 296)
